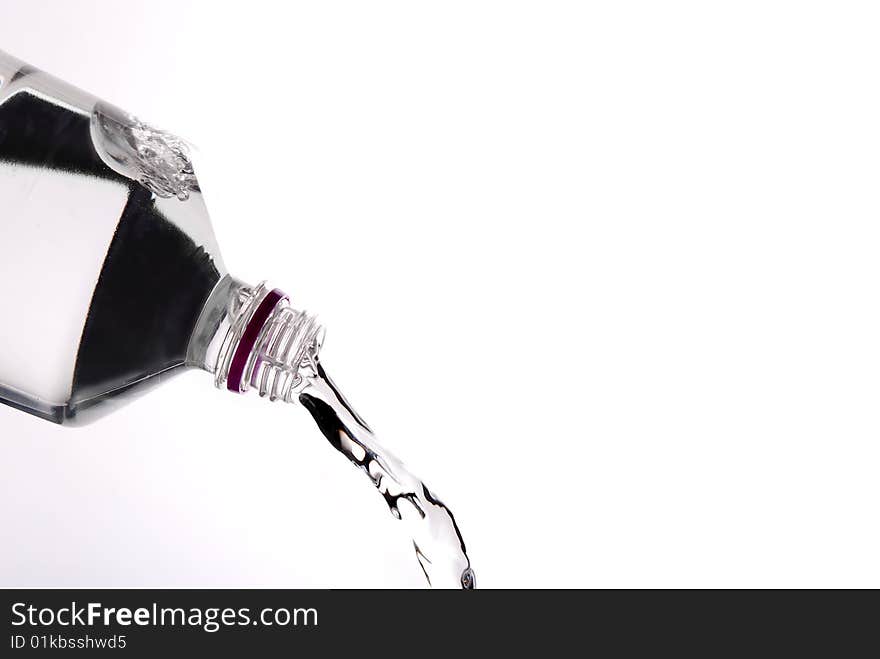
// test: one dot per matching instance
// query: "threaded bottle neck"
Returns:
(266, 345)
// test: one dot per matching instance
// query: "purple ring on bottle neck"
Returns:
(249, 338)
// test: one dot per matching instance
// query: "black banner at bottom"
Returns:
(179, 622)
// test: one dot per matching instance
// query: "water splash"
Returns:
(160, 161)
(436, 538)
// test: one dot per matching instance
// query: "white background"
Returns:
(605, 274)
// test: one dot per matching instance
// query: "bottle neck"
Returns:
(251, 337)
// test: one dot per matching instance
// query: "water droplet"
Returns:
(468, 579)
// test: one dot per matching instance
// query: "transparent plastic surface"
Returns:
(107, 256)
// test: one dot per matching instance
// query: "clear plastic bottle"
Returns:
(112, 280)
